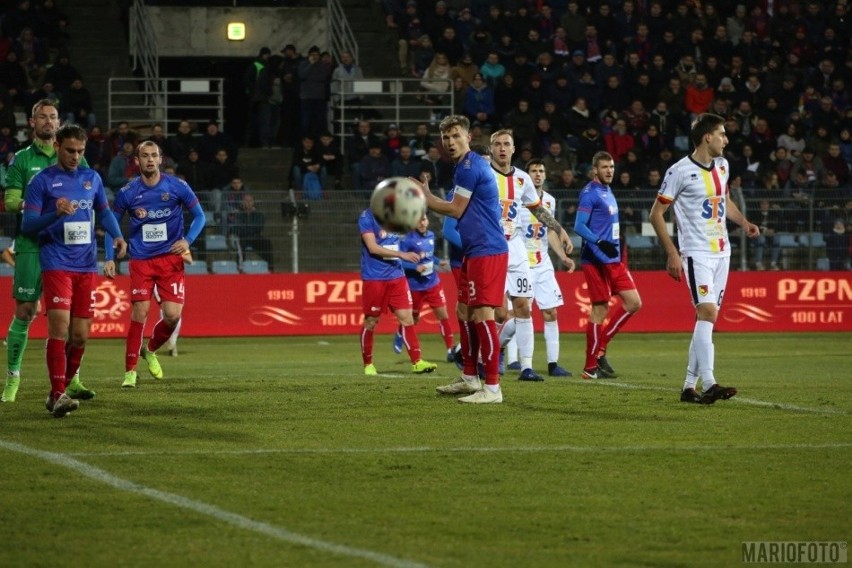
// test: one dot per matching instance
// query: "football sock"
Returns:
(507, 331)
(704, 353)
(489, 347)
(617, 319)
(133, 344)
(72, 363)
(511, 351)
(447, 333)
(174, 336)
(691, 368)
(412, 343)
(470, 347)
(524, 333)
(592, 344)
(367, 345)
(16, 343)
(551, 340)
(162, 332)
(56, 365)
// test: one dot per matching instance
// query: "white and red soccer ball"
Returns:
(398, 204)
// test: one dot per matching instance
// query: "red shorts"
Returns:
(70, 291)
(482, 281)
(606, 280)
(433, 297)
(164, 271)
(456, 274)
(380, 295)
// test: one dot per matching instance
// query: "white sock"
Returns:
(702, 337)
(493, 388)
(691, 368)
(507, 332)
(551, 340)
(512, 351)
(524, 333)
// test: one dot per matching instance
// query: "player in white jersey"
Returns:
(546, 292)
(517, 192)
(697, 187)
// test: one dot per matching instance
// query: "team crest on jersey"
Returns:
(383, 234)
(87, 185)
(521, 181)
(164, 196)
(140, 213)
(702, 289)
(722, 169)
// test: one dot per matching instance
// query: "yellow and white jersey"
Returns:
(535, 233)
(698, 196)
(516, 192)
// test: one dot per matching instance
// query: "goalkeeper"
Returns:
(605, 270)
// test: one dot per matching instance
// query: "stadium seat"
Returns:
(814, 239)
(215, 243)
(577, 241)
(224, 267)
(639, 242)
(787, 240)
(197, 267)
(6, 270)
(823, 264)
(5, 242)
(255, 267)
(124, 268)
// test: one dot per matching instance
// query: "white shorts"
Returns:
(546, 290)
(519, 283)
(706, 278)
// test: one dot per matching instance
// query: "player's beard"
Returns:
(46, 136)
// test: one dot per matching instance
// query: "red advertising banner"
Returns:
(330, 303)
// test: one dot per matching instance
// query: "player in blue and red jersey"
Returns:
(157, 245)
(424, 284)
(385, 287)
(482, 281)
(606, 275)
(60, 205)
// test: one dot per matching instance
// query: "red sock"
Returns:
(619, 317)
(72, 362)
(446, 332)
(593, 334)
(133, 344)
(412, 343)
(469, 347)
(56, 365)
(162, 332)
(367, 345)
(489, 347)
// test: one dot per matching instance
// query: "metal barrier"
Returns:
(166, 100)
(322, 235)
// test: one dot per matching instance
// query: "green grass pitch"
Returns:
(280, 452)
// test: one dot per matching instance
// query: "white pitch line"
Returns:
(235, 519)
(480, 450)
(740, 399)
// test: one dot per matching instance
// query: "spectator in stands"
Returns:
(506, 96)
(769, 219)
(405, 165)
(838, 243)
(213, 140)
(33, 56)
(181, 143)
(781, 166)
(314, 84)
(79, 104)
(257, 82)
(7, 115)
(303, 156)
(62, 73)
(820, 139)
(492, 70)
(409, 31)
(699, 96)
(436, 79)
(122, 168)
(23, 16)
(438, 20)
(422, 56)
(357, 147)
(442, 171)
(393, 142)
(674, 97)
(811, 165)
(158, 137)
(556, 160)
(98, 152)
(13, 76)
(464, 69)
(792, 140)
(341, 81)
(331, 160)
(835, 163)
(197, 173)
(421, 141)
(479, 102)
(8, 147)
(565, 185)
(619, 140)
(590, 143)
(373, 168)
(222, 170)
(449, 44)
(479, 46)
(248, 226)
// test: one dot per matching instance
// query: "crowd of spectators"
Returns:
(628, 76)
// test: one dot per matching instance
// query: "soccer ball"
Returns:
(398, 204)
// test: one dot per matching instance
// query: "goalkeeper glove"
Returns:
(607, 248)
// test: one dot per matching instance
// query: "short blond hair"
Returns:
(502, 132)
(455, 120)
